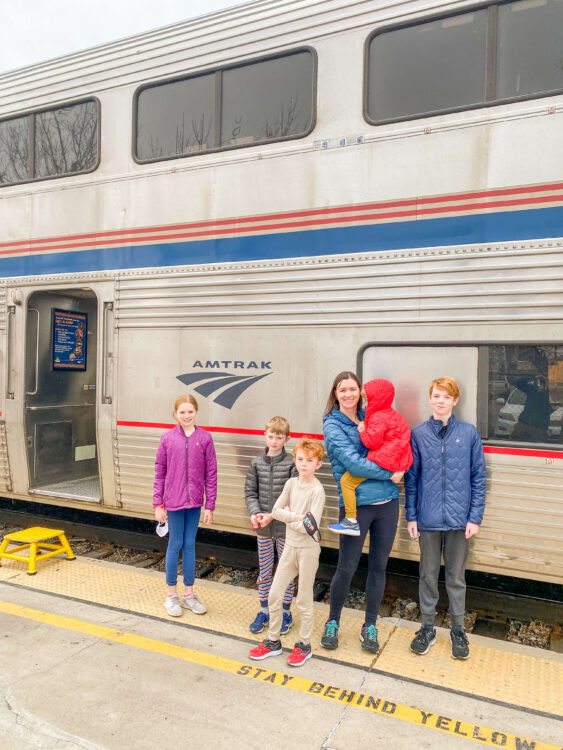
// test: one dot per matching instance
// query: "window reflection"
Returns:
(14, 150)
(526, 393)
(176, 118)
(66, 140)
(238, 106)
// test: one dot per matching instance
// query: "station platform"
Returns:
(176, 681)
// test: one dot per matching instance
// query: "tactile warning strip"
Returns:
(511, 676)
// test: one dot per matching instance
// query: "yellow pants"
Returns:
(348, 485)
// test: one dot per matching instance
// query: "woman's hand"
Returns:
(160, 514)
(412, 528)
(397, 476)
(361, 427)
(208, 517)
(265, 519)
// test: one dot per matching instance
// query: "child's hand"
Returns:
(208, 517)
(361, 427)
(255, 520)
(396, 476)
(265, 519)
(160, 514)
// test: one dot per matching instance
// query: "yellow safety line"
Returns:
(449, 725)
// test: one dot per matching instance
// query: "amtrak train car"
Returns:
(243, 205)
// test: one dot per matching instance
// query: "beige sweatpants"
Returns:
(294, 561)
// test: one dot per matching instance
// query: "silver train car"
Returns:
(243, 205)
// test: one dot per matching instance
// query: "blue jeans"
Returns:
(182, 530)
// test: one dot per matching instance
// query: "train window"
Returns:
(529, 37)
(176, 119)
(407, 69)
(265, 100)
(525, 393)
(491, 55)
(50, 143)
(14, 150)
(411, 369)
(66, 140)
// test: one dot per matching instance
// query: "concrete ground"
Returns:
(66, 685)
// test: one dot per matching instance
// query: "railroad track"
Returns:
(232, 559)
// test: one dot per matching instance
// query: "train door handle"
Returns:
(107, 353)
(36, 387)
(9, 372)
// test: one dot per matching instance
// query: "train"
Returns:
(247, 203)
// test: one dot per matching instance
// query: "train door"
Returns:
(60, 382)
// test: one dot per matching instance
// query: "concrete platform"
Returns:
(91, 660)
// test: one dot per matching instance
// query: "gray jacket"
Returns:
(265, 481)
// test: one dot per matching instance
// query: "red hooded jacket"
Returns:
(387, 433)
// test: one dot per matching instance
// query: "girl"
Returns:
(185, 465)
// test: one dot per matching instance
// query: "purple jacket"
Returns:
(175, 454)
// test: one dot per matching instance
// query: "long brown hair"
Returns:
(332, 402)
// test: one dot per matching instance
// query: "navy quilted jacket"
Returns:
(347, 453)
(446, 485)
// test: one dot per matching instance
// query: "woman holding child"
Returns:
(377, 509)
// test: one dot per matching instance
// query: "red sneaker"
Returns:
(265, 649)
(299, 655)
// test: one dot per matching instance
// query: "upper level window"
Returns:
(489, 55)
(50, 143)
(260, 101)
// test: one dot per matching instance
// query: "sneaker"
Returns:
(425, 637)
(265, 649)
(172, 606)
(259, 622)
(460, 644)
(329, 638)
(194, 604)
(346, 526)
(368, 637)
(300, 654)
(287, 623)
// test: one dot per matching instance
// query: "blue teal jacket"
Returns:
(446, 484)
(347, 453)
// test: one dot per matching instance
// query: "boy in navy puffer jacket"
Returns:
(386, 433)
(445, 499)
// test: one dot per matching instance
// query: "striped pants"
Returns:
(266, 567)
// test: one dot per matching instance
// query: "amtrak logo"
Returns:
(230, 386)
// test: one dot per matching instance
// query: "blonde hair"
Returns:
(446, 384)
(310, 448)
(187, 398)
(279, 425)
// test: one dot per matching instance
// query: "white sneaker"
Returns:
(193, 603)
(172, 605)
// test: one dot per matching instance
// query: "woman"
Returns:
(377, 509)
(185, 469)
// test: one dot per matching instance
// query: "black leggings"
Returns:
(381, 522)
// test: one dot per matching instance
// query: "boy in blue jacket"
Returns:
(445, 499)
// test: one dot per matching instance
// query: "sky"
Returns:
(32, 31)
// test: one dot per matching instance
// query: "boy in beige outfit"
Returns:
(301, 495)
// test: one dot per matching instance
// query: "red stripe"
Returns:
(228, 430)
(239, 431)
(234, 224)
(524, 452)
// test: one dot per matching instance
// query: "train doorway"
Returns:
(60, 394)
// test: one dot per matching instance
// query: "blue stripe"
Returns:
(457, 230)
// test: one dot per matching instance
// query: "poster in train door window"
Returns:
(69, 340)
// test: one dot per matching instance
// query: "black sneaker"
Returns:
(368, 637)
(460, 644)
(329, 638)
(425, 637)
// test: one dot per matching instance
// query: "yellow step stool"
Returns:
(34, 539)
